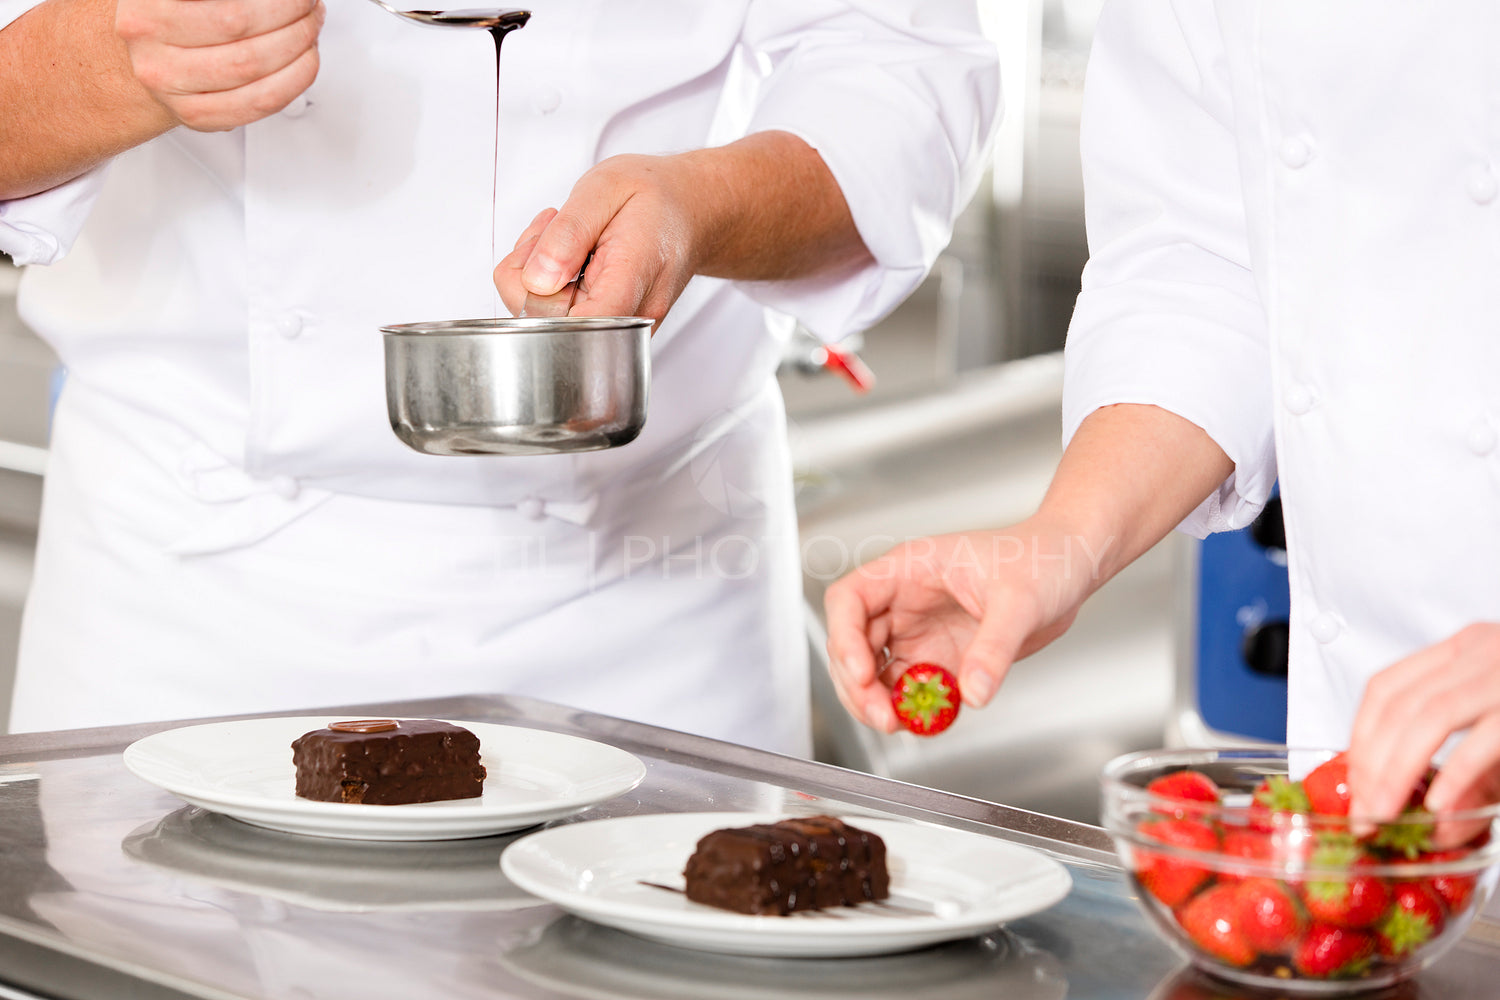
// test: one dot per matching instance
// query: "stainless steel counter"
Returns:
(112, 888)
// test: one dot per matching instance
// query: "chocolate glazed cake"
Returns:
(385, 762)
(796, 864)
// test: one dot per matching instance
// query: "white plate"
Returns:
(244, 769)
(969, 883)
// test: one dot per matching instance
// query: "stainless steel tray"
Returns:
(112, 888)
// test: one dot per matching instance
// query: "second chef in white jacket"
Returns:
(1293, 233)
(229, 524)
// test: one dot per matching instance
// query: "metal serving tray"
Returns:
(110, 888)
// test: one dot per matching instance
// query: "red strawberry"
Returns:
(1268, 915)
(1327, 787)
(1169, 879)
(1454, 890)
(1351, 900)
(1212, 923)
(1185, 786)
(1415, 917)
(1329, 952)
(1272, 799)
(926, 698)
(1248, 845)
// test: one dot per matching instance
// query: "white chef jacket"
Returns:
(229, 523)
(1293, 244)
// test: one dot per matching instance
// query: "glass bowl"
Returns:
(1252, 886)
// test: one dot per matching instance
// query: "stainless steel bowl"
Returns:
(526, 386)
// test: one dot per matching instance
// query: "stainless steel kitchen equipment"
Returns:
(523, 386)
(115, 888)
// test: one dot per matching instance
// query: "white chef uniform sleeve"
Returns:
(41, 228)
(1169, 313)
(901, 99)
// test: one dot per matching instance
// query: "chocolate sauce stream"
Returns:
(507, 22)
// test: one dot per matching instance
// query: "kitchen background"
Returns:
(961, 431)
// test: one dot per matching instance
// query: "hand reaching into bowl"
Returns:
(1411, 709)
(764, 208)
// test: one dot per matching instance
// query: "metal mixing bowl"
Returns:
(524, 386)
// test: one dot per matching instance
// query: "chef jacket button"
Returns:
(531, 508)
(289, 326)
(1325, 628)
(1295, 152)
(298, 107)
(285, 487)
(1481, 437)
(1298, 399)
(546, 99)
(1482, 186)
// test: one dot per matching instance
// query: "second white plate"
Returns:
(949, 883)
(244, 769)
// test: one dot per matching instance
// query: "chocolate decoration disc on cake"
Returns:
(364, 726)
(387, 762)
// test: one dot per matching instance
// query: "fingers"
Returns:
(508, 271)
(205, 23)
(1469, 779)
(1470, 770)
(1010, 617)
(851, 605)
(633, 217)
(571, 234)
(1410, 709)
(218, 64)
(219, 112)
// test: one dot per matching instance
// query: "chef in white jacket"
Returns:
(1294, 229)
(223, 200)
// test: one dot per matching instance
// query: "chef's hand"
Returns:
(1409, 711)
(214, 65)
(636, 214)
(974, 603)
(763, 208)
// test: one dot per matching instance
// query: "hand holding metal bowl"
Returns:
(518, 386)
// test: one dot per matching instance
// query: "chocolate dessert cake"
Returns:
(385, 762)
(796, 864)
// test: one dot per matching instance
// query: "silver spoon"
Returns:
(504, 18)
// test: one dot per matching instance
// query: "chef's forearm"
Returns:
(771, 210)
(71, 100)
(1130, 475)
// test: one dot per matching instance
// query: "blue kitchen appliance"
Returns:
(1232, 687)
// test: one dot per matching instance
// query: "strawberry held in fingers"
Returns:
(926, 698)
(1415, 917)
